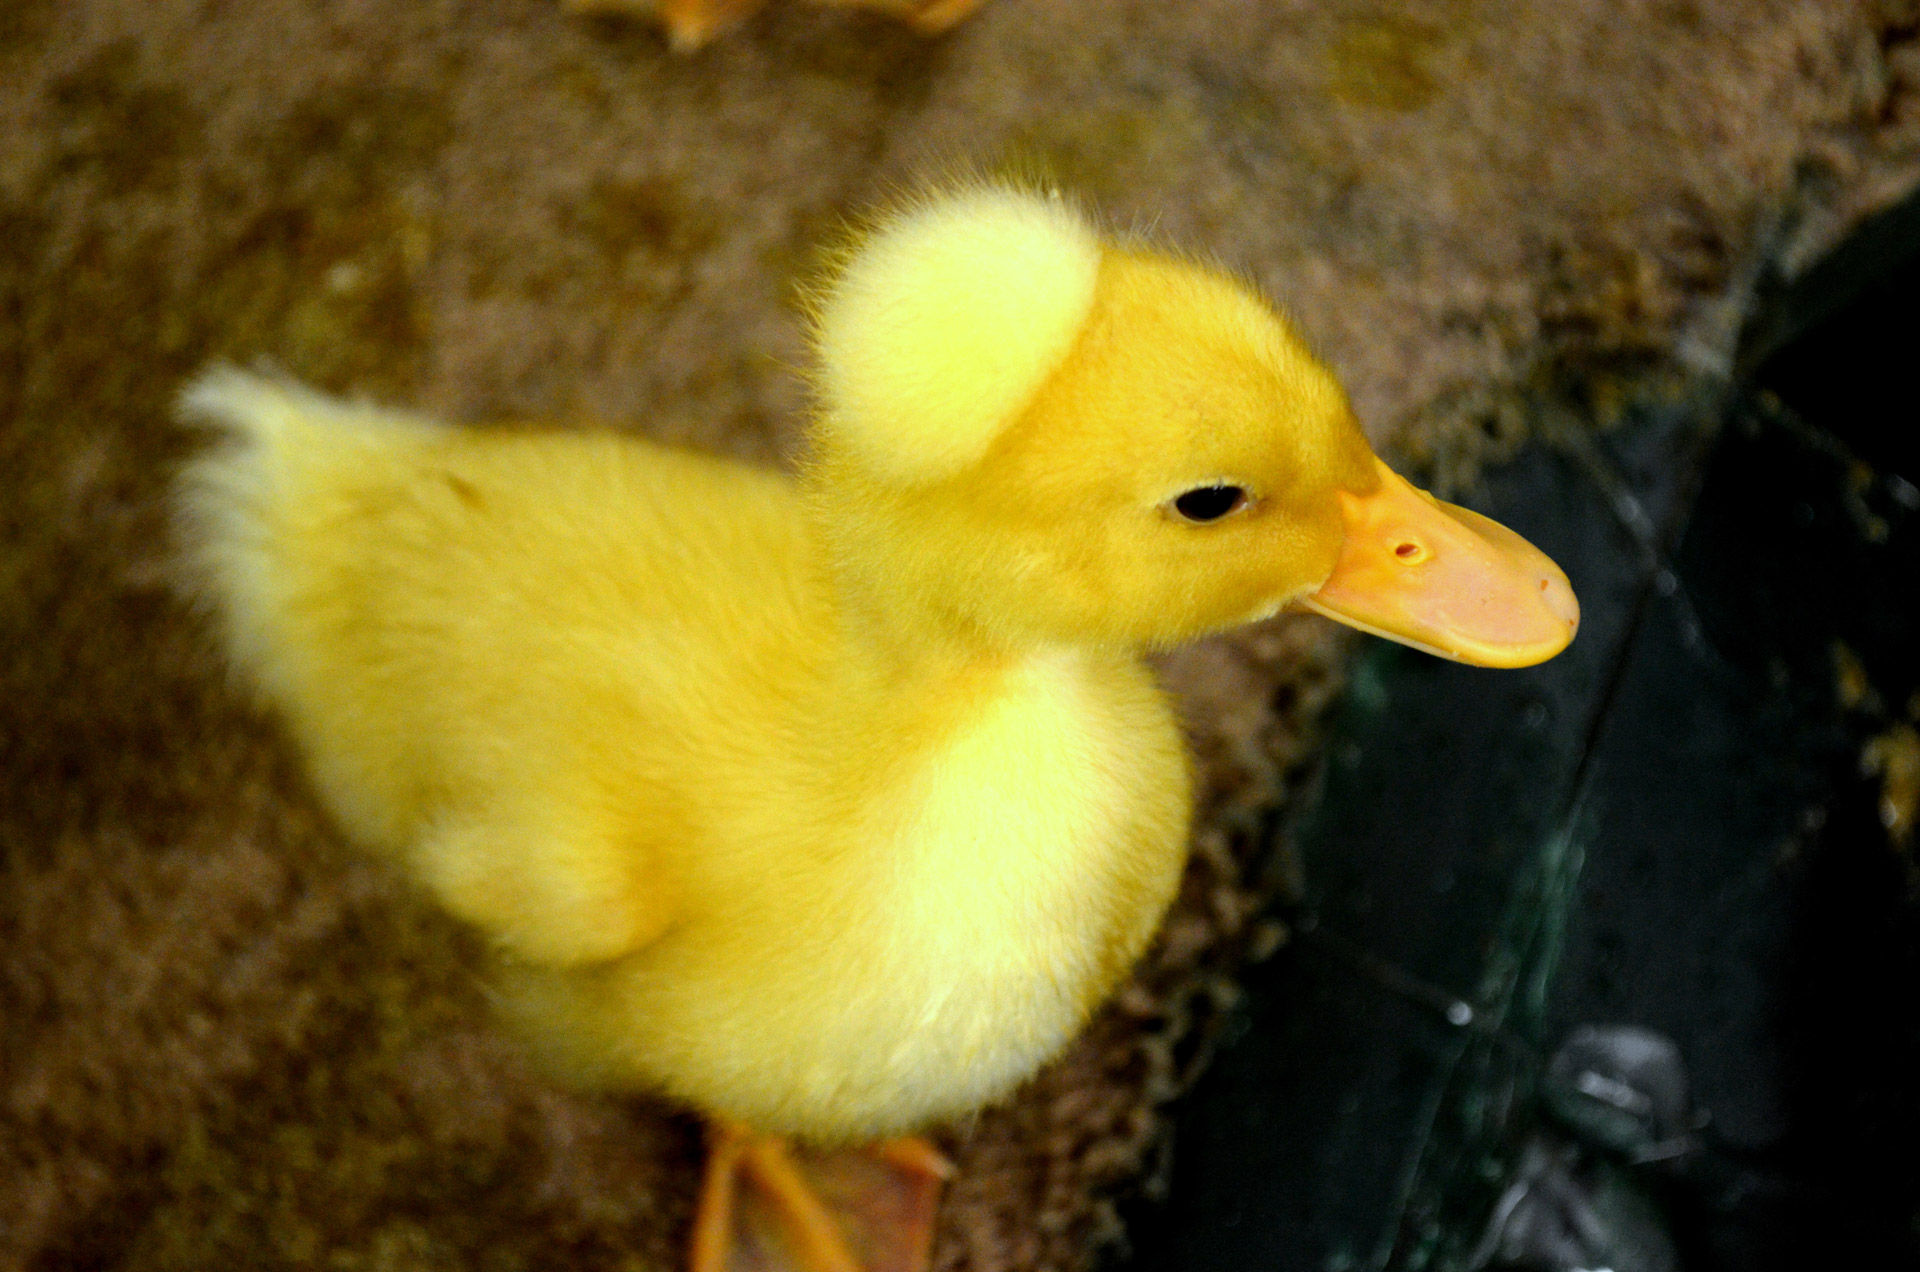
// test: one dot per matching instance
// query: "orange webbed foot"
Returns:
(859, 1210)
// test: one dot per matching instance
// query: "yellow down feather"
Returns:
(833, 804)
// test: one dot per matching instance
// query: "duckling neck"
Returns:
(911, 662)
(906, 682)
(897, 643)
(899, 606)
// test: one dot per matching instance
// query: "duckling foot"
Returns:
(865, 1210)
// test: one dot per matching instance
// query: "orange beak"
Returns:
(1446, 580)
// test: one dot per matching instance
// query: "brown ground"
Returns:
(229, 1043)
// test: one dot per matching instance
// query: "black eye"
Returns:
(1209, 503)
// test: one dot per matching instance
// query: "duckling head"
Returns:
(1047, 437)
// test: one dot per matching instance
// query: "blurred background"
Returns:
(1605, 965)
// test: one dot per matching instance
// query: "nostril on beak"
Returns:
(1410, 552)
(1560, 602)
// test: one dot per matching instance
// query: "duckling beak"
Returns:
(1445, 579)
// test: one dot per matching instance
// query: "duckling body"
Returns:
(831, 804)
(597, 694)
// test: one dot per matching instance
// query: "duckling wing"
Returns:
(506, 657)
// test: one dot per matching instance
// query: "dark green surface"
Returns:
(1666, 826)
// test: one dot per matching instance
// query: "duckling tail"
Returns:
(286, 459)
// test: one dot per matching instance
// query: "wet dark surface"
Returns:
(1670, 826)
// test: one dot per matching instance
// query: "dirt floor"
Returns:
(225, 1041)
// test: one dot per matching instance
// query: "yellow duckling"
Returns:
(831, 806)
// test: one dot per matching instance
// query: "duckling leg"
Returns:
(865, 1210)
(713, 1219)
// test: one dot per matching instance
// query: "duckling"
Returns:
(691, 24)
(829, 804)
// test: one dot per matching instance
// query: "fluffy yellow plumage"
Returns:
(595, 695)
(832, 806)
(914, 318)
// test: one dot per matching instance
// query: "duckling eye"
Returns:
(1209, 503)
